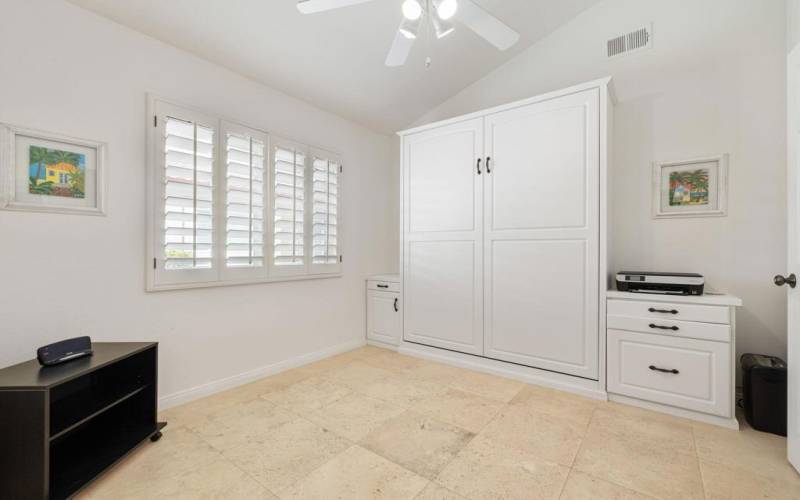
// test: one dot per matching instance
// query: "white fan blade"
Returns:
(313, 6)
(400, 48)
(486, 25)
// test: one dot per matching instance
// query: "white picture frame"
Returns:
(64, 194)
(685, 200)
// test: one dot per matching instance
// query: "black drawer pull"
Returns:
(663, 370)
(395, 305)
(673, 328)
(383, 286)
(665, 311)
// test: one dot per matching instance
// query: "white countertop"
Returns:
(708, 298)
(393, 278)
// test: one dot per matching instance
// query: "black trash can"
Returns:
(764, 380)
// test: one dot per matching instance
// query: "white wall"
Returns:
(792, 24)
(714, 82)
(69, 71)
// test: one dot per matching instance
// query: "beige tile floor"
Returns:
(371, 423)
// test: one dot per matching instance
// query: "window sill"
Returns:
(216, 284)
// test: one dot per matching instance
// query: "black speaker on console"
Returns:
(63, 351)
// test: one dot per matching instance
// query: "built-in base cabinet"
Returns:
(383, 312)
(677, 353)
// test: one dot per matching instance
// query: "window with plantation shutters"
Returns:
(325, 212)
(244, 154)
(288, 193)
(183, 199)
(188, 195)
(228, 204)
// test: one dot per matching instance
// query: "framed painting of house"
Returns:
(691, 188)
(47, 172)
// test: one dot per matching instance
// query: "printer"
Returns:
(660, 283)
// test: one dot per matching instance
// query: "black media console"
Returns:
(62, 426)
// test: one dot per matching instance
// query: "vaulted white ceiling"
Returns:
(334, 59)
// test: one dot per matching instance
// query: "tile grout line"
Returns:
(444, 466)
(223, 458)
(416, 497)
(226, 459)
(699, 467)
(326, 462)
(427, 416)
(577, 453)
(289, 411)
(474, 393)
(506, 405)
(350, 441)
(475, 436)
(629, 488)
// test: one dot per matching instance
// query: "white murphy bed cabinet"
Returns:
(383, 310)
(675, 354)
(504, 238)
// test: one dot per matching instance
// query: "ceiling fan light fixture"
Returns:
(412, 10)
(442, 28)
(409, 28)
(445, 9)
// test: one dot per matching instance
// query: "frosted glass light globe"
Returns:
(446, 9)
(412, 10)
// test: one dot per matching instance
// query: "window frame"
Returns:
(159, 279)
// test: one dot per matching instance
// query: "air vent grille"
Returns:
(635, 40)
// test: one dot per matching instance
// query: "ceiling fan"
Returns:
(436, 15)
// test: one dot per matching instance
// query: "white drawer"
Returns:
(383, 286)
(671, 328)
(668, 310)
(686, 373)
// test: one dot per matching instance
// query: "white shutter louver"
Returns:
(325, 211)
(244, 178)
(188, 195)
(288, 207)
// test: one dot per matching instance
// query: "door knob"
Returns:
(791, 280)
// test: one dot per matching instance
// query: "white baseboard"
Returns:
(379, 343)
(730, 423)
(207, 389)
(576, 385)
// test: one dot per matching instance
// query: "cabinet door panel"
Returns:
(538, 162)
(541, 241)
(441, 181)
(442, 247)
(383, 316)
(441, 292)
(538, 310)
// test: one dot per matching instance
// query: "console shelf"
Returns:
(62, 426)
